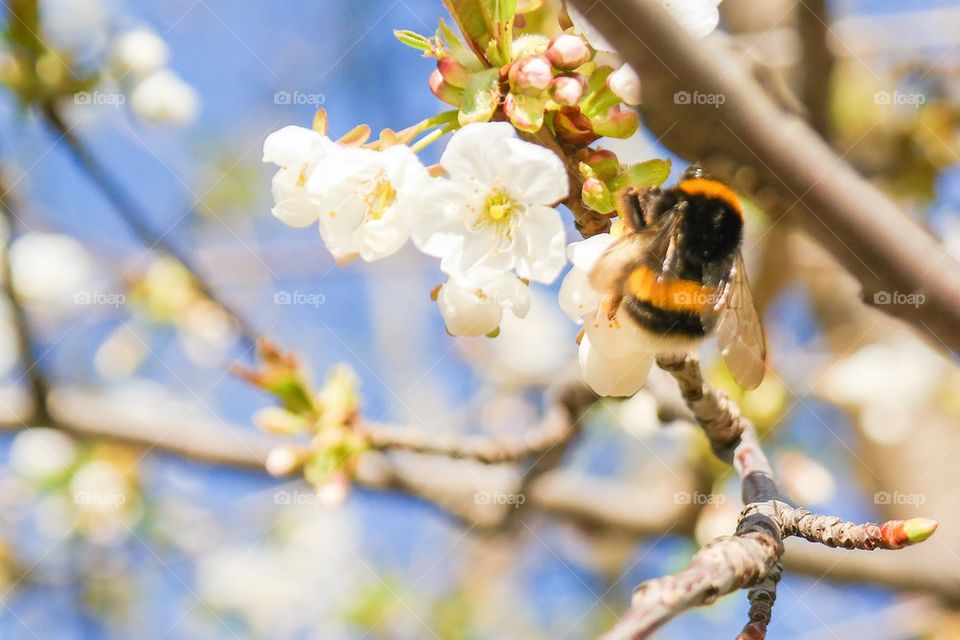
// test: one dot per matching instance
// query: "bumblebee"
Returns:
(677, 272)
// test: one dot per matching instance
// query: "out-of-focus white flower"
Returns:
(334, 489)
(297, 151)
(615, 357)
(40, 454)
(902, 372)
(284, 460)
(138, 52)
(625, 84)
(76, 25)
(368, 200)
(49, 267)
(473, 306)
(164, 98)
(698, 17)
(494, 213)
(805, 480)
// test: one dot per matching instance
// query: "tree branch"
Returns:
(792, 169)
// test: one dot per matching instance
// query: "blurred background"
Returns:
(103, 539)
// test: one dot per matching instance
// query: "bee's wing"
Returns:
(739, 331)
(653, 247)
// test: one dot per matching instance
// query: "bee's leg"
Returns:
(693, 171)
(613, 306)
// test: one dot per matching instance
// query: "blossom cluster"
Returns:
(531, 95)
(489, 219)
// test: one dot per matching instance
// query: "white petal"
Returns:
(577, 297)
(540, 244)
(613, 376)
(465, 314)
(511, 293)
(698, 17)
(293, 206)
(439, 227)
(584, 254)
(471, 154)
(618, 337)
(532, 174)
(378, 239)
(295, 146)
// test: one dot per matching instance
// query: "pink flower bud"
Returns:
(568, 51)
(625, 83)
(454, 73)
(446, 92)
(617, 123)
(567, 90)
(531, 75)
(604, 163)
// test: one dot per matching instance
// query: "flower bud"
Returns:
(568, 51)
(279, 421)
(625, 83)
(567, 90)
(445, 92)
(573, 128)
(525, 112)
(597, 196)
(531, 75)
(454, 73)
(604, 163)
(618, 123)
(284, 460)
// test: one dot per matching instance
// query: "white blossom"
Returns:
(472, 306)
(615, 357)
(41, 454)
(698, 17)
(164, 98)
(495, 211)
(49, 268)
(368, 200)
(138, 52)
(297, 151)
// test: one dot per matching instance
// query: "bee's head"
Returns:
(712, 228)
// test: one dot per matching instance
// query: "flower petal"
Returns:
(533, 174)
(613, 376)
(540, 244)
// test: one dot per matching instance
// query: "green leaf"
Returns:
(643, 174)
(480, 97)
(414, 40)
(473, 22)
